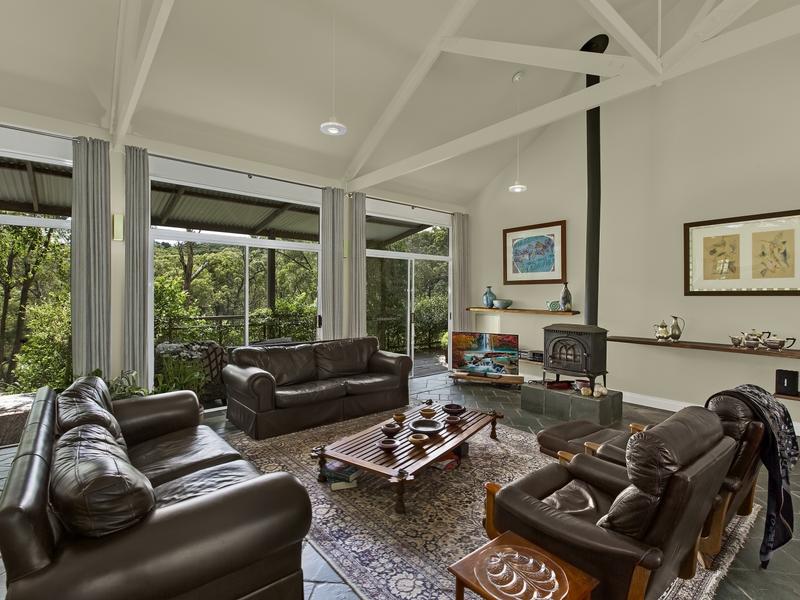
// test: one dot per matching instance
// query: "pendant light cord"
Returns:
(516, 94)
(333, 69)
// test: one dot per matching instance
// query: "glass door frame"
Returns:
(411, 258)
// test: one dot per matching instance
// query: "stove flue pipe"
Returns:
(597, 44)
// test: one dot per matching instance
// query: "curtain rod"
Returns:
(228, 169)
(39, 132)
(444, 212)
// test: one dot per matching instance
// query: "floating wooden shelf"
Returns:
(523, 311)
(795, 354)
(786, 397)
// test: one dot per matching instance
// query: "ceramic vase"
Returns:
(489, 297)
(566, 298)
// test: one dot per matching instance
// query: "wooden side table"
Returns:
(580, 584)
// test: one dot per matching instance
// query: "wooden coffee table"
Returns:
(402, 465)
(470, 570)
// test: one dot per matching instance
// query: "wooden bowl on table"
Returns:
(418, 439)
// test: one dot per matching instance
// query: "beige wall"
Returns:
(720, 142)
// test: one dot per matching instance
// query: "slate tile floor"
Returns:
(744, 580)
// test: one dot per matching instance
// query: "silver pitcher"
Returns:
(676, 328)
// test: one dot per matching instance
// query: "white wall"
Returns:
(721, 142)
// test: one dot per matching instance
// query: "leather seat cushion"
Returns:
(74, 410)
(178, 453)
(311, 392)
(287, 364)
(94, 489)
(343, 358)
(570, 436)
(581, 500)
(368, 383)
(204, 481)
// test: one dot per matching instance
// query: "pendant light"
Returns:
(332, 126)
(517, 187)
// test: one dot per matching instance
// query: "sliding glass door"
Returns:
(388, 316)
(407, 309)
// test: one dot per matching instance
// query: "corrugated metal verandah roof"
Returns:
(45, 189)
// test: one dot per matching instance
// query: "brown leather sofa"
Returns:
(279, 389)
(635, 528)
(136, 499)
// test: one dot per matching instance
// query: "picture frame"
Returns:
(753, 255)
(535, 254)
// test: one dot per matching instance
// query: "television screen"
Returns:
(482, 353)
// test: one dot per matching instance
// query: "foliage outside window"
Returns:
(35, 320)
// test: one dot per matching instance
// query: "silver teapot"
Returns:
(661, 332)
(754, 338)
(776, 343)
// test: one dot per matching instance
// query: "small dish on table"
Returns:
(418, 439)
(452, 419)
(454, 409)
(427, 412)
(391, 429)
(388, 444)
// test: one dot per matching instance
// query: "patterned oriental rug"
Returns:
(386, 556)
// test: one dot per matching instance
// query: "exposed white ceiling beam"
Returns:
(132, 81)
(752, 36)
(452, 22)
(706, 28)
(605, 65)
(580, 101)
(774, 28)
(614, 24)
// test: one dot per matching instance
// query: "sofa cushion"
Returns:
(92, 387)
(175, 454)
(73, 411)
(204, 482)
(311, 392)
(287, 364)
(94, 489)
(342, 358)
(368, 383)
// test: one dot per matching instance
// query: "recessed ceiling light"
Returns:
(333, 127)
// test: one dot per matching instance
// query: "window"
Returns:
(229, 269)
(35, 318)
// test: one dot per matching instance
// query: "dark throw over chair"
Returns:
(635, 529)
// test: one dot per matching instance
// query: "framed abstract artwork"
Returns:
(754, 255)
(535, 254)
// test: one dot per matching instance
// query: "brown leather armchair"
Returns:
(736, 494)
(636, 528)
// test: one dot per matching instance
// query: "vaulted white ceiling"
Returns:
(251, 78)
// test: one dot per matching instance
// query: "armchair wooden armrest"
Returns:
(636, 427)
(564, 457)
(591, 448)
(488, 521)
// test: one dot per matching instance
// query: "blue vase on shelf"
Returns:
(489, 297)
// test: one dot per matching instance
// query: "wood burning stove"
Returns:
(576, 350)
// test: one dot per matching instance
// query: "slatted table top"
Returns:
(361, 449)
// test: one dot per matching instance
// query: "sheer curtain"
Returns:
(357, 258)
(332, 262)
(136, 342)
(91, 257)
(461, 283)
